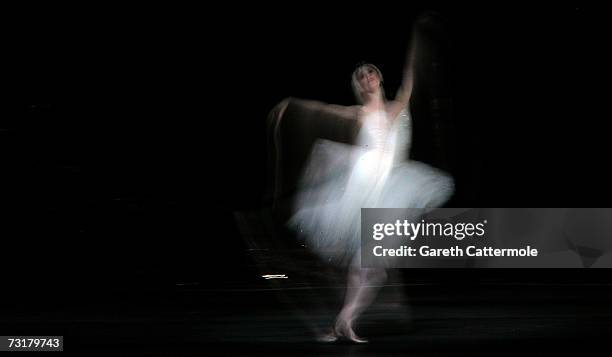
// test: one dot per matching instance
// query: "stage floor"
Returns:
(432, 319)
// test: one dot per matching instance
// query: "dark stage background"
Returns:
(142, 130)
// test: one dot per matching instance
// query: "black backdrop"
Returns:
(143, 129)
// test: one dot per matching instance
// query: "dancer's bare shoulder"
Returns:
(395, 107)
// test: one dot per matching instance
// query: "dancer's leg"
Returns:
(363, 286)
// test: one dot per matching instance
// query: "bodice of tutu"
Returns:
(389, 138)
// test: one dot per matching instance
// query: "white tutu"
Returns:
(341, 179)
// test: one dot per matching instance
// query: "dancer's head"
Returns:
(367, 81)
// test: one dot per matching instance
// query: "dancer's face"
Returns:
(368, 79)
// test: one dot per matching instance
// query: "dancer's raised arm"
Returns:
(402, 98)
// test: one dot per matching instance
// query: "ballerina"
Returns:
(340, 179)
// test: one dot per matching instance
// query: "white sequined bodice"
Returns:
(390, 138)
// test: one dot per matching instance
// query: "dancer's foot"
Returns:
(344, 328)
(327, 337)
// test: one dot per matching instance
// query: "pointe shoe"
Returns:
(344, 329)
